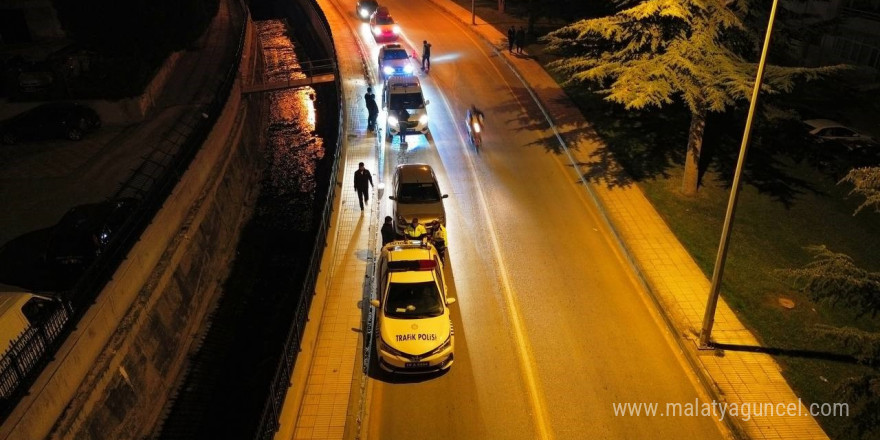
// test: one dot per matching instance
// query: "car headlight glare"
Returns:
(395, 29)
(392, 120)
(364, 13)
(376, 30)
(477, 128)
(408, 68)
(388, 70)
(423, 119)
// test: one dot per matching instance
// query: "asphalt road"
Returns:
(551, 326)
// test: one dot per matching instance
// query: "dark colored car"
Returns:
(85, 232)
(365, 8)
(64, 120)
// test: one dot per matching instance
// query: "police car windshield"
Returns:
(413, 300)
(418, 193)
(395, 54)
(402, 101)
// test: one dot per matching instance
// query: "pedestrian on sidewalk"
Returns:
(511, 38)
(388, 232)
(372, 109)
(363, 180)
(520, 39)
(426, 56)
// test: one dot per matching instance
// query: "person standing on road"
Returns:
(426, 56)
(363, 180)
(372, 109)
(388, 232)
(520, 39)
(511, 38)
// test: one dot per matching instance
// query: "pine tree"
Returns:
(866, 182)
(657, 51)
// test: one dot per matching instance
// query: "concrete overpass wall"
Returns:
(115, 372)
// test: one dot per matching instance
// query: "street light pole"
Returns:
(715, 290)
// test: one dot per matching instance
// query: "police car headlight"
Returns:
(423, 119)
(442, 347)
(364, 13)
(392, 120)
(395, 29)
(388, 70)
(408, 68)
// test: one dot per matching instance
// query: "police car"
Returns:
(394, 60)
(414, 325)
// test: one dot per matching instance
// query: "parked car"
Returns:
(825, 130)
(415, 193)
(383, 26)
(85, 232)
(365, 8)
(394, 60)
(64, 120)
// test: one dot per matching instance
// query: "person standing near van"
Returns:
(388, 232)
(372, 109)
(363, 180)
(426, 56)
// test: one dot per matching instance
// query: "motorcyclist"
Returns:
(474, 115)
(415, 230)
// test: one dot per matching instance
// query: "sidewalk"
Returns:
(328, 362)
(668, 272)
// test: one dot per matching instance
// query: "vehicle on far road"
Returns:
(64, 120)
(415, 332)
(394, 60)
(383, 26)
(416, 194)
(827, 130)
(365, 8)
(85, 232)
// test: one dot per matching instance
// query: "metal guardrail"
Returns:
(151, 183)
(28, 352)
(281, 382)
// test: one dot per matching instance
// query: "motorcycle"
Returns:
(474, 124)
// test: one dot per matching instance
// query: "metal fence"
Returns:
(29, 351)
(268, 425)
(151, 183)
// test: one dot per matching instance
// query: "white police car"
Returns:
(394, 60)
(414, 326)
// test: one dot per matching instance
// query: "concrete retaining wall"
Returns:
(114, 373)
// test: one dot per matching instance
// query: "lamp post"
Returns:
(715, 289)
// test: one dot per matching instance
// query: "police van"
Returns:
(404, 107)
(414, 325)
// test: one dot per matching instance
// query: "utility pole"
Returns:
(715, 290)
(473, 12)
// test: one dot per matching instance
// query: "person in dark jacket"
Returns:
(511, 38)
(363, 180)
(520, 39)
(372, 109)
(388, 232)
(426, 56)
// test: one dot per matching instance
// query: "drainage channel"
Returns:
(226, 385)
